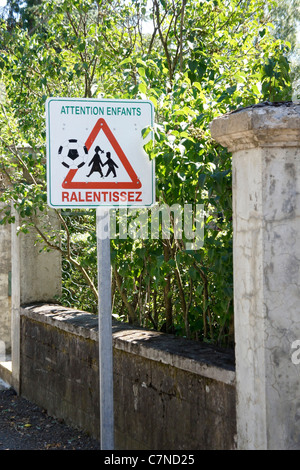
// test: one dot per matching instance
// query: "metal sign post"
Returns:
(105, 330)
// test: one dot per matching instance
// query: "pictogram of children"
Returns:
(97, 162)
(111, 165)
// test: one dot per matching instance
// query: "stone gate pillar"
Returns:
(36, 277)
(5, 290)
(265, 145)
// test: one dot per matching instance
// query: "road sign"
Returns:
(95, 158)
(95, 154)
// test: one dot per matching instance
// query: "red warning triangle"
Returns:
(135, 183)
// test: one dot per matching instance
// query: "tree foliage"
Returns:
(286, 20)
(203, 58)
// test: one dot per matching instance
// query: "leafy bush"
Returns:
(202, 59)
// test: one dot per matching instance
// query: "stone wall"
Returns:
(169, 393)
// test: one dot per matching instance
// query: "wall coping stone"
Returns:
(261, 125)
(192, 356)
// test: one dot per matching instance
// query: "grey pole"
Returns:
(105, 330)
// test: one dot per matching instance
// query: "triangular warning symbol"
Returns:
(135, 183)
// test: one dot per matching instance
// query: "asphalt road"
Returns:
(25, 426)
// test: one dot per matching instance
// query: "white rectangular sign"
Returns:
(95, 154)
